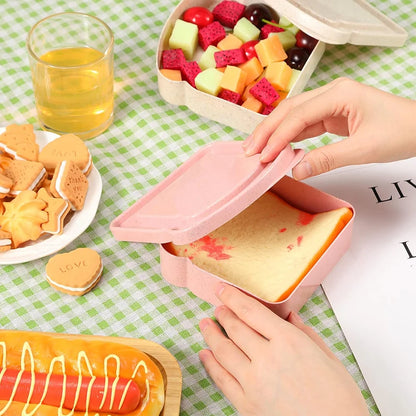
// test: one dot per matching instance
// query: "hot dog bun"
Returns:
(85, 357)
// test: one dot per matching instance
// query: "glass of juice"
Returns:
(71, 61)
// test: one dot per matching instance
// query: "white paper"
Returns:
(372, 290)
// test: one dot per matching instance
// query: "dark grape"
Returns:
(256, 12)
(297, 57)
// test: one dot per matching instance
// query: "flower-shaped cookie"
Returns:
(23, 217)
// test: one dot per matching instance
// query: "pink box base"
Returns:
(180, 271)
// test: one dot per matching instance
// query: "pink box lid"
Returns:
(213, 186)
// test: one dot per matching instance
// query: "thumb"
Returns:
(327, 158)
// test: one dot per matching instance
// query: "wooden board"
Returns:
(165, 361)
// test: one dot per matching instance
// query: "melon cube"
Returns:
(207, 59)
(245, 30)
(172, 74)
(270, 50)
(287, 39)
(253, 68)
(230, 42)
(234, 79)
(288, 25)
(279, 74)
(184, 36)
(253, 104)
(209, 81)
(295, 75)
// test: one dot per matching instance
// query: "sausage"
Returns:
(81, 393)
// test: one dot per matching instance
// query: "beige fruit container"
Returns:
(212, 187)
(332, 22)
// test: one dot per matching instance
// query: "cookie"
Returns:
(5, 241)
(19, 142)
(57, 209)
(75, 272)
(5, 185)
(70, 183)
(4, 161)
(23, 217)
(26, 175)
(66, 147)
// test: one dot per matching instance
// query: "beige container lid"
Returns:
(342, 21)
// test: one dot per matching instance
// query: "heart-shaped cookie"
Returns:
(75, 272)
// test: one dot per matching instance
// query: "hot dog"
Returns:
(42, 374)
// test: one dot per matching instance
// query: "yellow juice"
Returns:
(74, 91)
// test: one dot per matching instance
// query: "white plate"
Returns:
(80, 220)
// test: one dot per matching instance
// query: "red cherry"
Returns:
(199, 16)
(249, 49)
(305, 41)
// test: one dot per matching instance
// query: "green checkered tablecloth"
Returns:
(148, 140)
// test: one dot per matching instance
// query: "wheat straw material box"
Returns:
(331, 22)
(213, 186)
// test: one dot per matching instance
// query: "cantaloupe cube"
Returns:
(279, 74)
(207, 58)
(287, 39)
(230, 42)
(245, 30)
(184, 36)
(270, 50)
(282, 96)
(253, 68)
(253, 104)
(172, 74)
(247, 92)
(209, 81)
(234, 79)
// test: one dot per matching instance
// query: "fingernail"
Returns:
(303, 170)
(219, 290)
(203, 324)
(247, 141)
(264, 153)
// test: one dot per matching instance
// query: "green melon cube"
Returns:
(287, 25)
(245, 30)
(184, 36)
(207, 59)
(287, 39)
(294, 77)
(209, 81)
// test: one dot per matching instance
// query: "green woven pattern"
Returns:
(148, 140)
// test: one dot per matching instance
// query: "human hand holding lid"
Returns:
(379, 127)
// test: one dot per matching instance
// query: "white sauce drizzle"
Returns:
(82, 356)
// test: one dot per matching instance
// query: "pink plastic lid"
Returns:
(213, 186)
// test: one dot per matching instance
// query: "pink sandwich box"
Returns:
(213, 186)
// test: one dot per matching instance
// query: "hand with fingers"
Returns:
(378, 126)
(267, 366)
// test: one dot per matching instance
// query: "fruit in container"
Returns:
(230, 42)
(228, 13)
(257, 13)
(234, 79)
(209, 81)
(264, 92)
(211, 35)
(199, 16)
(245, 30)
(229, 57)
(207, 59)
(244, 56)
(270, 50)
(184, 36)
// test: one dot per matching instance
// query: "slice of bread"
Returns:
(268, 248)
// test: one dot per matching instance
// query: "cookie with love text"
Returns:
(75, 272)
(66, 147)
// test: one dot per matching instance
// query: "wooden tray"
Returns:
(166, 362)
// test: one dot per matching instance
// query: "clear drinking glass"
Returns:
(71, 61)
